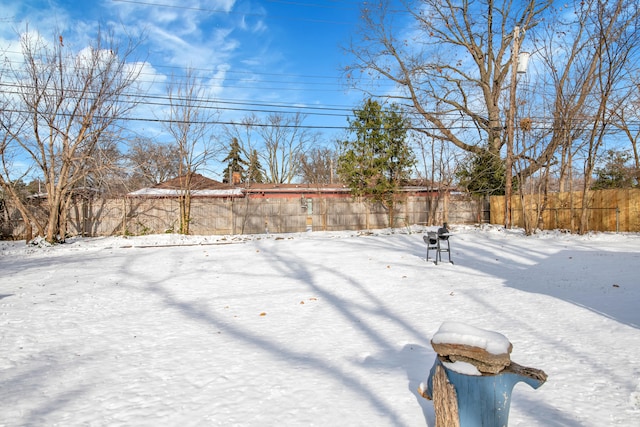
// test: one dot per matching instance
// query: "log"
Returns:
(445, 400)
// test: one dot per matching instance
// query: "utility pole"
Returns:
(511, 117)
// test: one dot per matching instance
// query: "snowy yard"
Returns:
(321, 329)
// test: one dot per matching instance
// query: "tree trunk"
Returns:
(52, 223)
(545, 199)
(185, 211)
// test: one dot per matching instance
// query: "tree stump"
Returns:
(473, 376)
(476, 400)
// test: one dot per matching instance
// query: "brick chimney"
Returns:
(235, 178)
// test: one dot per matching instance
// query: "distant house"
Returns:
(238, 208)
(294, 191)
(200, 187)
(203, 187)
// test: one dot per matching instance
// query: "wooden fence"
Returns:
(245, 215)
(608, 210)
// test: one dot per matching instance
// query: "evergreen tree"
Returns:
(235, 162)
(255, 172)
(378, 159)
(616, 171)
(483, 175)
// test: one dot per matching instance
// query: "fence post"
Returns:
(124, 216)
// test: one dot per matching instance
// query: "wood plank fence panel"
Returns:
(343, 214)
(608, 210)
(209, 216)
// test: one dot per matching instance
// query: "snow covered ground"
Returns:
(321, 329)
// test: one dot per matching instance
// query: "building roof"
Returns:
(168, 192)
(296, 188)
(200, 186)
(206, 187)
(198, 182)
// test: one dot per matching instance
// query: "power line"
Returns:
(324, 84)
(224, 104)
(461, 127)
(216, 103)
(288, 78)
(544, 123)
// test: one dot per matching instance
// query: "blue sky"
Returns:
(283, 55)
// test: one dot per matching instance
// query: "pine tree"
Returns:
(484, 175)
(378, 160)
(235, 163)
(615, 171)
(254, 172)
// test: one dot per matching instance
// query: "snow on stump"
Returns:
(472, 378)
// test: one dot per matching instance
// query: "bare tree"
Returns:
(627, 115)
(189, 119)
(279, 140)
(318, 166)
(285, 140)
(11, 177)
(614, 30)
(452, 64)
(65, 107)
(588, 61)
(626, 118)
(438, 161)
(107, 175)
(455, 61)
(152, 162)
